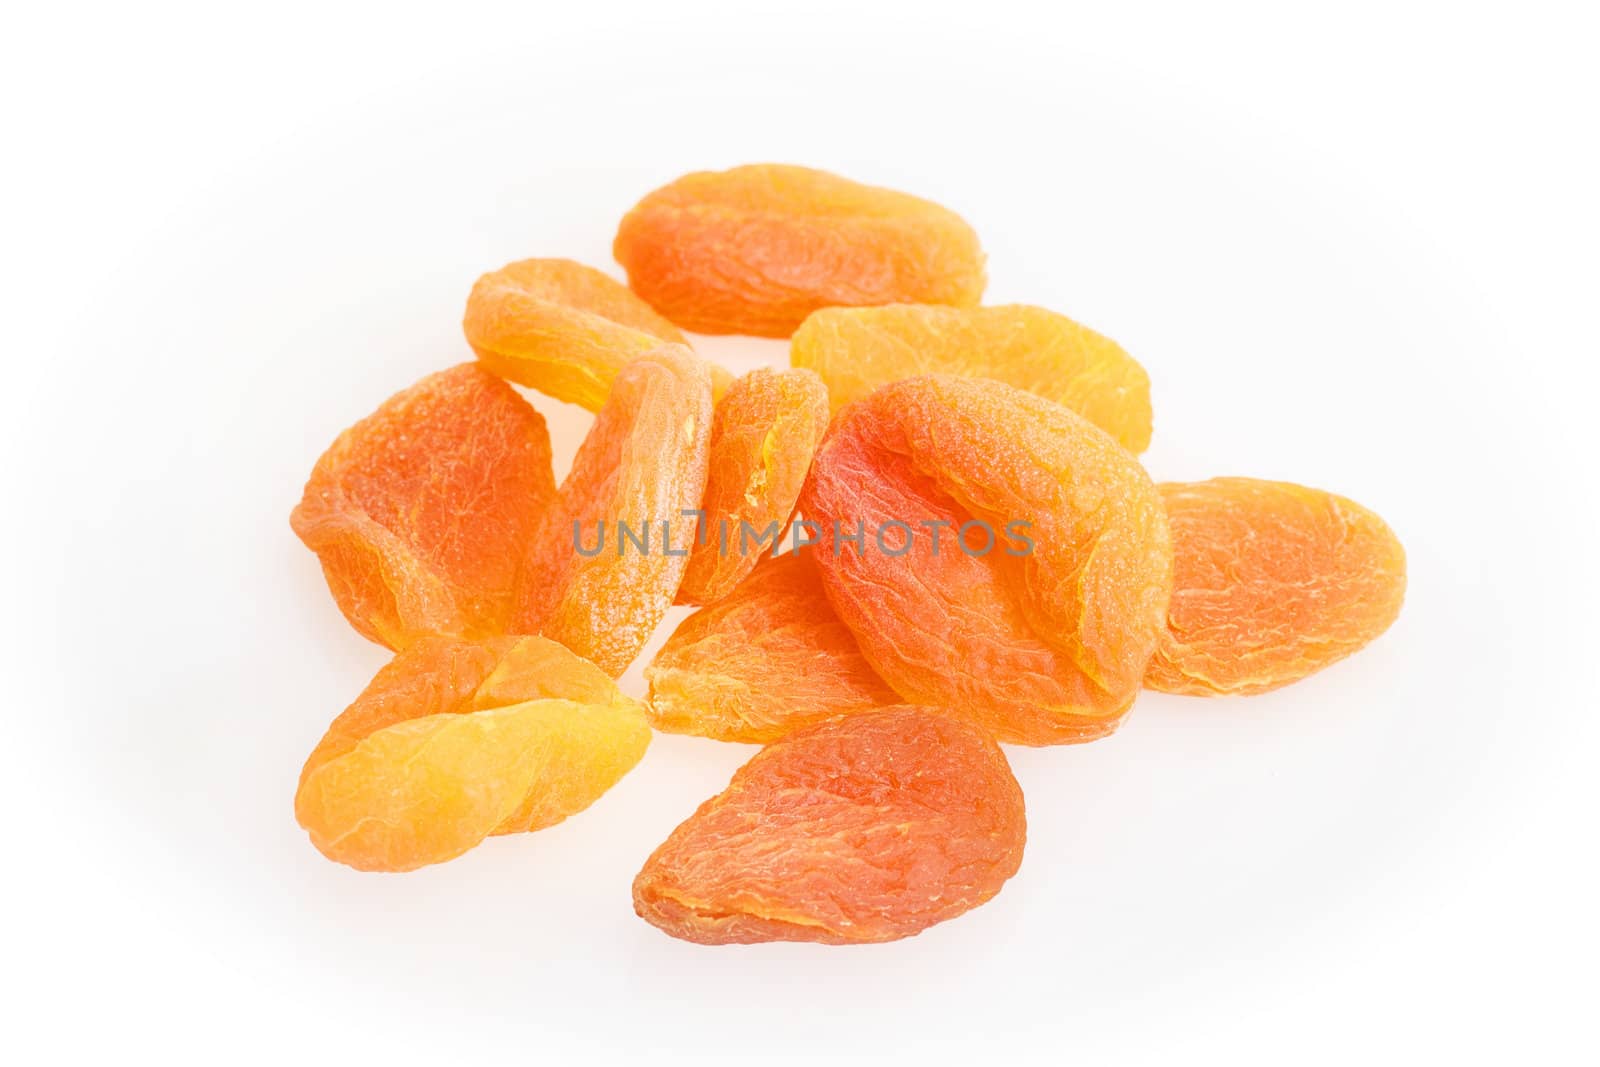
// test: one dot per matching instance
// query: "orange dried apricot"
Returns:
(419, 512)
(993, 553)
(756, 249)
(858, 349)
(869, 828)
(768, 659)
(562, 328)
(763, 433)
(1273, 582)
(456, 740)
(606, 562)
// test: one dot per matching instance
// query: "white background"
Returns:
(1354, 248)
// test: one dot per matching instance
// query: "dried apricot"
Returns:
(869, 828)
(603, 566)
(1273, 582)
(420, 511)
(757, 248)
(993, 553)
(769, 658)
(563, 328)
(456, 740)
(858, 349)
(763, 434)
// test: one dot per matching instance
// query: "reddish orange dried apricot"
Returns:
(563, 328)
(1273, 582)
(757, 248)
(1005, 558)
(763, 433)
(419, 512)
(768, 659)
(872, 827)
(456, 740)
(606, 562)
(858, 349)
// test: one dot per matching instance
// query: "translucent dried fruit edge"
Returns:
(763, 434)
(770, 658)
(419, 512)
(870, 828)
(563, 328)
(756, 249)
(858, 349)
(606, 562)
(1274, 581)
(993, 553)
(456, 740)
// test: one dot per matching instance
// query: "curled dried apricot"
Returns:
(763, 434)
(606, 561)
(858, 349)
(560, 327)
(419, 512)
(757, 248)
(993, 553)
(769, 658)
(456, 740)
(1273, 582)
(869, 828)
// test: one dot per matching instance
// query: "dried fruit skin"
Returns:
(770, 658)
(562, 328)
(869, 828)
(1042, 640)
(1274, 581)
(643, 464)
(858, 349)
(456, 740)
(756, 249)
(763, 434)
(419, 511)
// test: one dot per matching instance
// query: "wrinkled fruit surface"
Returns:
(589, 583)
(1274, 581)
(560, 327)
(770, 658)
(756, 249)
(419, 512)
(858, 349)
(456, 740)
(763, 434)
(1042, 639)
(870, 828)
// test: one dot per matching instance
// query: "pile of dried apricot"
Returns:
(929, 534)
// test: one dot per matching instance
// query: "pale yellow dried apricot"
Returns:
(858, 349)
(455, 740)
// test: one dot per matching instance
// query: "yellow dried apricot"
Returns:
(763, 433)
(858, 349)
(456, 740)
(756, 249)
(869, 828)
(419, 512)
(993, 553)
(560, 327)
(1273, 582)
(768, 659)
(606, 561)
